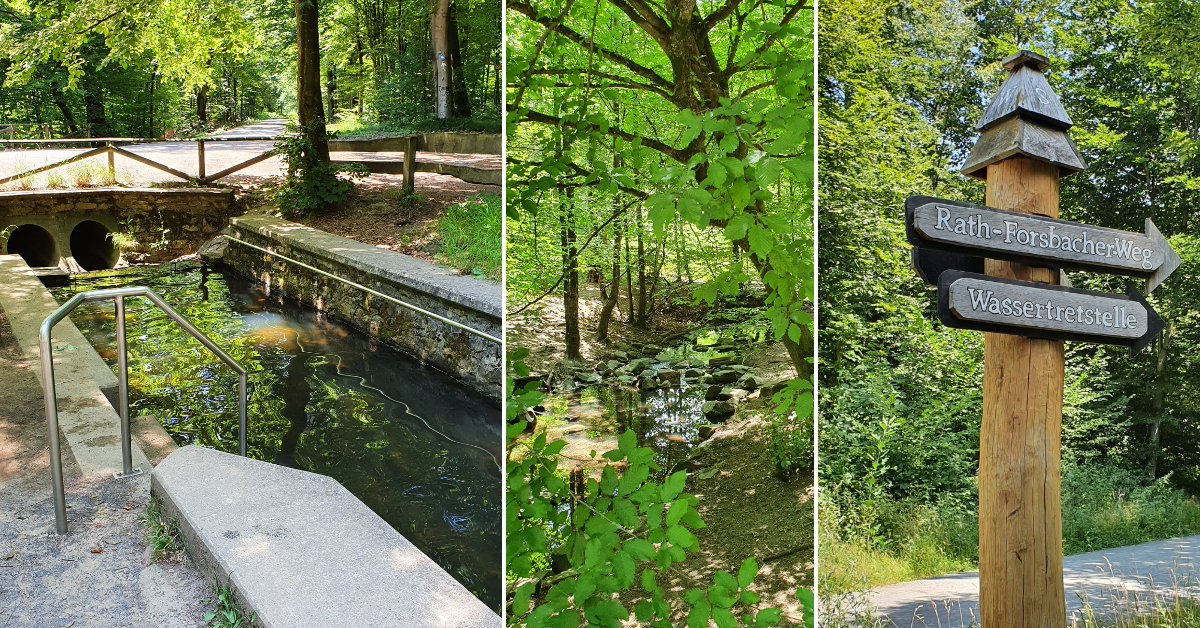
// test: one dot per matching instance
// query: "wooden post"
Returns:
(1022, 151)
(410, 163)
(112, 162)
(200, 148)
(1020, 516)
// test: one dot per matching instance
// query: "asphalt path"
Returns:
(1101, 581)
(218, 155)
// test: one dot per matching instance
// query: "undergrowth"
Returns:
(471, 235)
(228, 613)
(869, 541)
(165, 538)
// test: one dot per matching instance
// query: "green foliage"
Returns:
(901, 89)
(471, 237)
(791, 427)
(312, 182)
(164, 536)
(228, 613)
(618, 534)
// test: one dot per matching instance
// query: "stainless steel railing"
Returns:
(47, 358)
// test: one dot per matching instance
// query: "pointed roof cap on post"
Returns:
(1024, 118)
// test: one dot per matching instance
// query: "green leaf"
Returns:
(761, 241)
(722, 578)
(749, 597)
(724, 618)
(640, 549)
(767, 617)
(681, 536)
(673, 486)
(623, 569)
(747, 572)
(521, 598)
(698, 616)
(648, 582)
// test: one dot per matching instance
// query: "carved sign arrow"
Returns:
(1038, 310)
(1038, 241)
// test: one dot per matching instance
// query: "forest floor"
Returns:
(748, 508)
(379, 214)
(100, 573)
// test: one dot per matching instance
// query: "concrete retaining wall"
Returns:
(165, 223)
(476, 143)
(473, 302)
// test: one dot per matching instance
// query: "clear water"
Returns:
(417, 446)
(664, 419)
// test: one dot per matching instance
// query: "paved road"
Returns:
(218, 156)
(1100, 580)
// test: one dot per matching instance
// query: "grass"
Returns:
(87, 174)
(866, 543)
(165, 538)
(470, 236)
(228, 614)
(1164, 610)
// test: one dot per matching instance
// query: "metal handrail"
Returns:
(47, 359)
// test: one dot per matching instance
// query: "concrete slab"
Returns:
(300, 550)
(478, 294)
(83, 382)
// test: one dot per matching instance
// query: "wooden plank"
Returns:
(85, 155)
(245, 164)
(1022, 410)
(1036, 240)
(1016, 136)
(1036, 310)
(1026, 93)
(149, 162)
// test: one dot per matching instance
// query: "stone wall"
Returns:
(467, 300)
(154, 225)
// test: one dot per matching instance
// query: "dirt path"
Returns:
(1103, 580)
(48, 580)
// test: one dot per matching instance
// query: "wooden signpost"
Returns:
(997, 268)
(1031, 239)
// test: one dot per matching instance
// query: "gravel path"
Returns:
(1102, 580)
(51, 581)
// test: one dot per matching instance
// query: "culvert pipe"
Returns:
(35, 245)
(92, 246)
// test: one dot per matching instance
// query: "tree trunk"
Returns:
(458, 77)
(61, 102)
(614, 288)
(441, 61)
(631, 316)
(93, 105)
(571, 272)
(1160, 387)
(331, 90)
(308, 73)
(202, 105)
(640, 320)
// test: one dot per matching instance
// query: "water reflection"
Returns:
(664, 419)
(414, 444)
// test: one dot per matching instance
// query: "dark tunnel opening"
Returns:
(92, 246)
(35, 245)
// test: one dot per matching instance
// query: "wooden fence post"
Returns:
(200, 147)
(410, 164)
(1021, 153)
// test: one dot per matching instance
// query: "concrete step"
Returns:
(300, 550)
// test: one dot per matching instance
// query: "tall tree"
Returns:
(309, 109)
